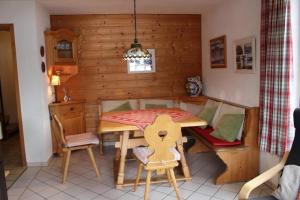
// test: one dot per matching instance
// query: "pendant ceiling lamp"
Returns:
(136, 52)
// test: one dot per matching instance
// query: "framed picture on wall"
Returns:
(218, 52)
(244, 55)
(142, 66)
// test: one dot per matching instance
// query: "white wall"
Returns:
(30, 20)
(237, 19)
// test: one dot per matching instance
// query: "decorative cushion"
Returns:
(212, 140)
(289, 183)
(108, 105)
(81, 139)
(148, 106)
(228, 109)
(123, 107)
(142, 154)
(167, 102)
(211, 103)
(228, 127)
(208, 113)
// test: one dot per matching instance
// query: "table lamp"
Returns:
(55, 81)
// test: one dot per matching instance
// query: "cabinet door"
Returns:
(73, 123)
(65, 51)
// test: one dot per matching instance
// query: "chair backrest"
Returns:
(59, 133)
(294, 155)
(161, 136)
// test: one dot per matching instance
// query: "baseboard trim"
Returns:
(40, 164)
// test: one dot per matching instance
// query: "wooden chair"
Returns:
(160, 155)
(289, 158)
(75, 142)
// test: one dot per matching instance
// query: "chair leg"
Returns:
(138, 176)
(66, 165)
(63, 161)
(174, 183)
(101, 144)
(169, 177)
(91, 154)
(148, 181)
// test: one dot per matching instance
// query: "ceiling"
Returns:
(126, 6)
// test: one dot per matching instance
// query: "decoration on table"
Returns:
(66, 96)
(136, 52)
(193, 86)
(142, 118)
(244, 55)
(218, 52)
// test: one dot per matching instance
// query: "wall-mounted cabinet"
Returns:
(61, 52)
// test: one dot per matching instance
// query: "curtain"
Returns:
(275, 76)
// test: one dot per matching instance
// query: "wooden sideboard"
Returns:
(71, 115)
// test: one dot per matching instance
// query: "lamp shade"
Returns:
(55, 80)
(136, 52)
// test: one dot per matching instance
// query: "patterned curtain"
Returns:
(275, 75)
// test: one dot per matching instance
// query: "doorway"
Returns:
(11, 135)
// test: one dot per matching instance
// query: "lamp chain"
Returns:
(135, 29)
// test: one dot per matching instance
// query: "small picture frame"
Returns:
(244, 55)
(218, 55)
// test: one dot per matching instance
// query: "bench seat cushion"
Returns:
(205, 133)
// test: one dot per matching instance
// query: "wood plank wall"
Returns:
(103, 39)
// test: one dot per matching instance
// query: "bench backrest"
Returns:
(250, 130)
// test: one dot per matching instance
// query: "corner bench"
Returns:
(241, 157)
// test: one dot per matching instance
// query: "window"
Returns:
(142, 66)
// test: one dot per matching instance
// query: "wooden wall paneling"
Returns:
(103, 73)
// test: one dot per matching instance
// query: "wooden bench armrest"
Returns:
(262, 178)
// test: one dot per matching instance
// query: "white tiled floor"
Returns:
(45, 182)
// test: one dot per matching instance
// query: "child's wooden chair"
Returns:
(75, 142)
(160, 155)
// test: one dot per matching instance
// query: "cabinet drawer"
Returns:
(73, 108)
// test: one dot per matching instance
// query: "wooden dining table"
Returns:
(126, 142)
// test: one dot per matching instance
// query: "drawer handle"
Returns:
(71, 108)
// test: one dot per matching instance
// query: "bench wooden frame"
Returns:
(242, 161)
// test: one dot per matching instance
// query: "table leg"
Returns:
(185, 168)
(117, 158)
(117, 163)
(124, 145)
